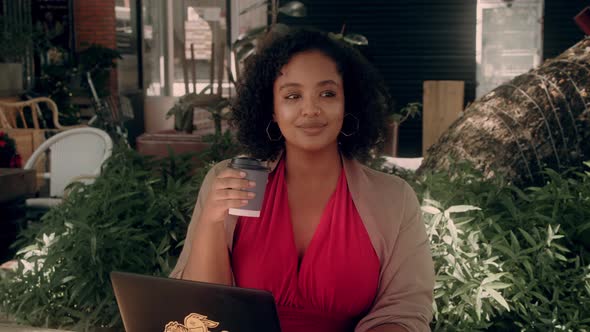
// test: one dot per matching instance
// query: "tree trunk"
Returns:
(539, 119)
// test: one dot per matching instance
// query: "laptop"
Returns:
(148, 303)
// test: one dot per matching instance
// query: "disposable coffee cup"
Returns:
(258, 173)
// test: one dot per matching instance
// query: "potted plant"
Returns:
(183, 113)
(183, 138)
(133, 218)
(394, 120)
(184, 109)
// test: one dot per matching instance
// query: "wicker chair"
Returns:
(16, 118)
(11, 111)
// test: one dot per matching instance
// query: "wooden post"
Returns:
(220, 66)
(212, 68)
(395, 134)
(194, 68)
(391, 139)
(185, 70)
(442, 105)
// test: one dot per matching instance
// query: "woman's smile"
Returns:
(312, 128)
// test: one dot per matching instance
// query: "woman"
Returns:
(341, 247)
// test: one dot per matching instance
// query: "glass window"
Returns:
(127, 68)
(248, 20)
(185, 45)
(200, 33)
(153, 12)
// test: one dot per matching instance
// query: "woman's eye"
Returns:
(292, 96)
(328, 94)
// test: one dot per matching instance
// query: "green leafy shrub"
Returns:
(132, 218)
(223, 146)
(512, 259)
(469, 277)
(506, 258)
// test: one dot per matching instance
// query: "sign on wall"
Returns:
(508, 41)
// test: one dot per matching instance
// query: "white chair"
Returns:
(74, 155)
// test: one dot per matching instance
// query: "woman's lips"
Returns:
(312, 129)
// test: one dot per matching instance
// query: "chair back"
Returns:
(13, 112)
(73, 153)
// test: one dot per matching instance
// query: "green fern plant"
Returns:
(133, 218)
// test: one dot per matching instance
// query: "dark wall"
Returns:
(560, 32)
(411, 41)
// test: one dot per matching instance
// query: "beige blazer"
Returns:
(391, 213)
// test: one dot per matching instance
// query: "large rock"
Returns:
(539, 119)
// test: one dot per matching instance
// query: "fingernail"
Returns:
(251, 194)
(243, 174)
(244, 202)
(252, 184)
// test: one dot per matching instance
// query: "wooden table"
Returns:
(16, 183)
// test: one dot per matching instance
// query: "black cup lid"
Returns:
(247, 163)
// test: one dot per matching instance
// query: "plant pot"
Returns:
(391, 139)
(155, 109)
(158, 144)
(184, 122)
(11, 83)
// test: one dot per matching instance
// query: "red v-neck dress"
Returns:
(336, 281)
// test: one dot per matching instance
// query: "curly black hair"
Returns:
(366, 96)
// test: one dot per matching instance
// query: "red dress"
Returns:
(336, 281)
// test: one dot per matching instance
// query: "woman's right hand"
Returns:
(227, 191)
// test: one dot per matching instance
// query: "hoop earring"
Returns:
(356, 125)
(268, 133)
